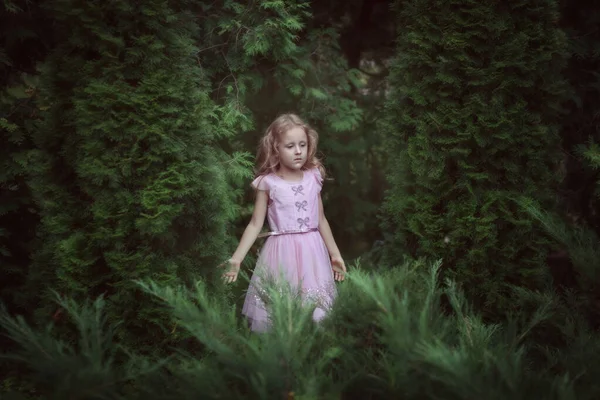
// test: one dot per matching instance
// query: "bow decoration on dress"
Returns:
(303, 222)
(298, 190)
(302, 205)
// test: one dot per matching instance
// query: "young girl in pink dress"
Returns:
(300, 246)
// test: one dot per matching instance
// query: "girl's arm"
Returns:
(334, 252)
(254, 226)
(250, 234)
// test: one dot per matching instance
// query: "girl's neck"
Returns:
(290, 175)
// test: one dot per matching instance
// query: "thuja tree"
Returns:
(472, 123)
(126, 174)
(274, 57)
(580, 124)
(19, 28)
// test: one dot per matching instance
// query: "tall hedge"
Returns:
(473, 123)
(126, 174)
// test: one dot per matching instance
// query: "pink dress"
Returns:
(296, 250)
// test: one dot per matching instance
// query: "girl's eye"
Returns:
(290, 146)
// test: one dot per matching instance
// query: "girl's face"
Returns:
(293, 149)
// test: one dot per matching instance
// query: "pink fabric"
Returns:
(301, 259)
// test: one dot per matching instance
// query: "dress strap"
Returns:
(287, 232)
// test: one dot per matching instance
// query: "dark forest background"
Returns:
(461, 142)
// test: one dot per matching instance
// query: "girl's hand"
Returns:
(233, 268)
(339, 268)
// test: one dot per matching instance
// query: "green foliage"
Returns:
(126, 170)
(19, 30)
(580, 121)
(578, 313)
(16, 197)
(591, 154)
(298, 67)
(135, 142)
(474, 122)
(266, 58)
(581, 244)
(239, 43)
(388, 336)
(91, 358)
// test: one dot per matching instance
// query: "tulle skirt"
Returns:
(302, 261)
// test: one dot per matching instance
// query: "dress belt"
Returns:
(288, 232)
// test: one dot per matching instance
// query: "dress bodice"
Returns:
(292, 205)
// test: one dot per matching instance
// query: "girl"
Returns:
(300, 246)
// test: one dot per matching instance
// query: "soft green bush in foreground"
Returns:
(397, 334)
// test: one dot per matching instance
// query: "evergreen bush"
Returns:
(388, 336)
(125, 170)
(20, 28)
(473, 122)
(580, 123)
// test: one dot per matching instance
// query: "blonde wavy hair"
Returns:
(268, 152)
